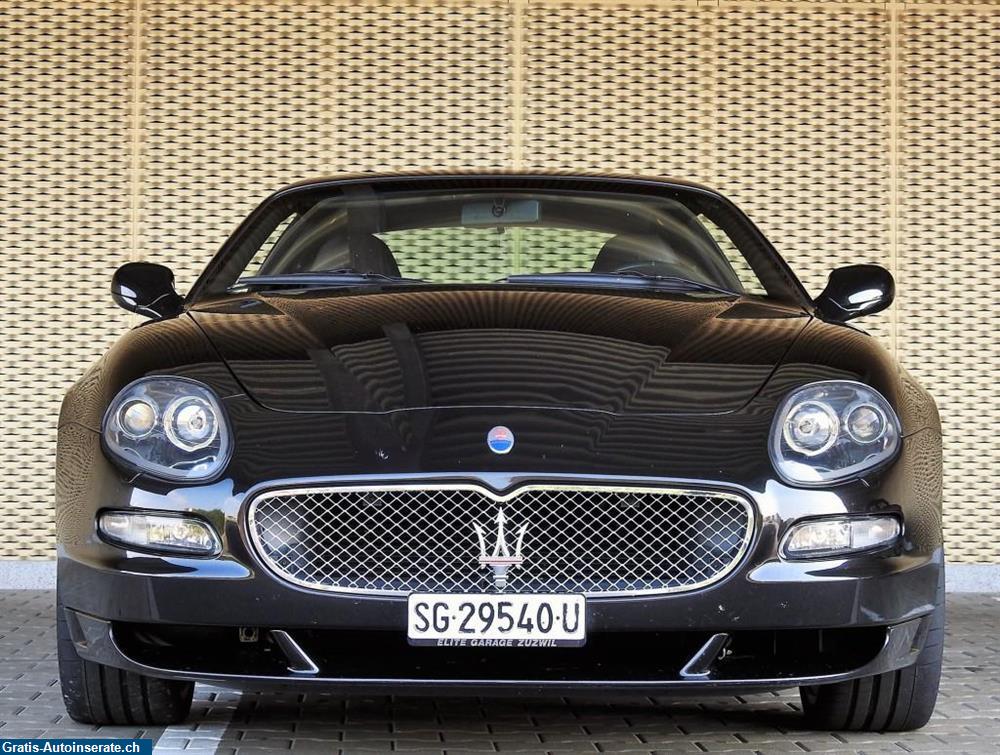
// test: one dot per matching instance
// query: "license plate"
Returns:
(449, 620)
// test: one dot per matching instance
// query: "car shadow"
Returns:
(323, 714)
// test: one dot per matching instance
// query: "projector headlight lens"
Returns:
(137, 418)
(866, 423)
(190, 423)
(159, 533)
(811, 428)
(832, 431)
(173, 428)
(839, 536)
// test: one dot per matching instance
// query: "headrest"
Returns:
(642, 251)
(366, 253)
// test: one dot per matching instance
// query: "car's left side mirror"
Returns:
(146, 289)
(856, 290)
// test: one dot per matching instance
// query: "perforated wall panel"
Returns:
(949, 264)
(236, 97)
(65, 224)
(851, 131)
(802, 139)
(420, 84)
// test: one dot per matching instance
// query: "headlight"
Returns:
(831, 431)
(159, 532)
(170, 427)
(837, 536)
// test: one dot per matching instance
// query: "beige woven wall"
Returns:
(849, 130)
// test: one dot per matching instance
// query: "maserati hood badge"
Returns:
(500, 440)
(501, 560)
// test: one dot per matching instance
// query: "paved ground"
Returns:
(967, 718)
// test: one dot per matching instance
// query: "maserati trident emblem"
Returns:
(500, 560)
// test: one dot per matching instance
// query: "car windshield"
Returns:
(554, 237)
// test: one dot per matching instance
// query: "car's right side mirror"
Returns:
(856, 290)
(146, 289)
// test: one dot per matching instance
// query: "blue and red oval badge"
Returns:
(500, 440)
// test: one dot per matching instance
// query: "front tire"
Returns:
(98, 694)
(900, 700)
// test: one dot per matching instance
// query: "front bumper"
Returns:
(863, 591)
(772, 624)
(117, 596)
(657, 663)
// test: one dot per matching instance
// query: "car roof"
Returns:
(502, 173)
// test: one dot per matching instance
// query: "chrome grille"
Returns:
(592, 540)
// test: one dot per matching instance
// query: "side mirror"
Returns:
(856, 290)
(146, 288)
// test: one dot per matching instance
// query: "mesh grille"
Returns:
(573, 539)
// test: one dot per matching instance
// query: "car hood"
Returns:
(364, 351)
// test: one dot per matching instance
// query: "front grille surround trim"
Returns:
(648, 488)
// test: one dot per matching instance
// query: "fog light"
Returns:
(840, 536)
(159, 533)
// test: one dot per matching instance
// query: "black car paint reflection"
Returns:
(400, 384)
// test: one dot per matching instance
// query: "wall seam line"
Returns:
(136, 132)
(330, 106)
(517, 84)
(893, 10)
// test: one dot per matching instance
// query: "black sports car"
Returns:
(494, 432)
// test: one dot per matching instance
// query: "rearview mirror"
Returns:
(145, 288)
(856, 290)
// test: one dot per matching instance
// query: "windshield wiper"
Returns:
(626, 277)
(322, 278)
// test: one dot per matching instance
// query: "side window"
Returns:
(751, 283)
(253, 267)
